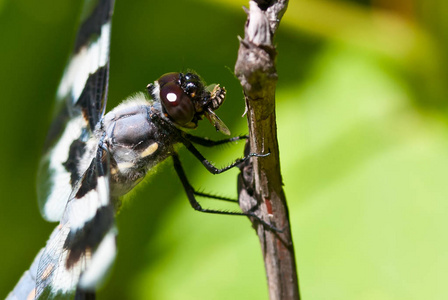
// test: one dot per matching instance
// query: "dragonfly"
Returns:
(91, 159)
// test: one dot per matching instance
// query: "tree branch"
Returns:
(260, 182)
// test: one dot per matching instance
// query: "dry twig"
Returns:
(260, 182)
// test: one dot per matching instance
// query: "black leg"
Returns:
(210, 143)
(191, 192)
(83, 295)
(209, 166)
(195, 204)
(188, 139)
(205, 195)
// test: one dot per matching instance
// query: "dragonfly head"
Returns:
(185, 99)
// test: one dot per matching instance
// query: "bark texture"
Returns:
(260, 182)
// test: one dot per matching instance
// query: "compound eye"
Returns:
(168, 77)
(176, 103)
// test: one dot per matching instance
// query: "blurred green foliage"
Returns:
(362, 126)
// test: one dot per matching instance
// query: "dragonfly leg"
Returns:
(188, 140)
(209, 166)
(196, 206)
(215, 197)
(191, 192)
(84, 295)
(210, 143)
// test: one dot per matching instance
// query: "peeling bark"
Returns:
(260, 182)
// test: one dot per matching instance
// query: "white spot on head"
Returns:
(171, 97)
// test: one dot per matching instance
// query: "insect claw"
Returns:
(265, 224)
(259, 154)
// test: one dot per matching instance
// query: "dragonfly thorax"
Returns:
(135, 143)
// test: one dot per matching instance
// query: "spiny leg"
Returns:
(195, 204)
(209, 166)
(210, 143)
(184, 138)
(191, 192)
(215, 197)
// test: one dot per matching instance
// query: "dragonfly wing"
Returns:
(80, 103)
(25, 288)
(81, 250)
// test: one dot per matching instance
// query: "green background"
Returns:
(363, 134)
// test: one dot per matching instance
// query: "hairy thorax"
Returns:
(135, 143)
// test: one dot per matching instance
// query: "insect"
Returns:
(92, 158)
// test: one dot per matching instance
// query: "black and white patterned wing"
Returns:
(80, 104)
(81, 250)
(73, 178)
(25, 288)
